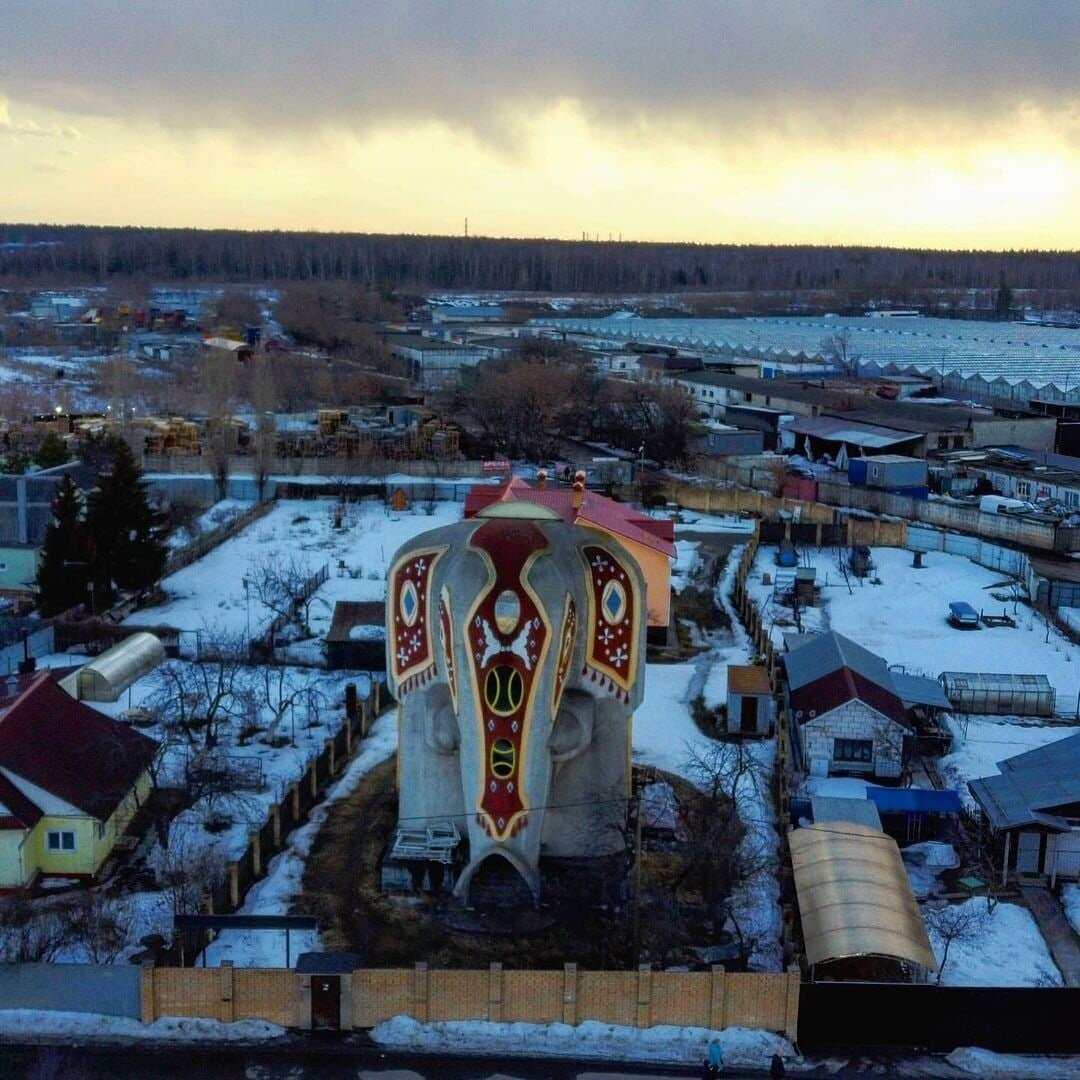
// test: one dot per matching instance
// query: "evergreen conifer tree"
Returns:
(126, 530)
(66, 554)
(52, 452)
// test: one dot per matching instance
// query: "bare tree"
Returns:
(200, 699)
(187, 872)
(217, 379)
(837, 348)
(282, 584)
(954, 923)
(264, 439)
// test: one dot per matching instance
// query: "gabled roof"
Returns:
(352, 613)
(1032, 786)
(68, 749)
(828, 670)
(616, 518)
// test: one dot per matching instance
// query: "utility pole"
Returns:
(636, 939)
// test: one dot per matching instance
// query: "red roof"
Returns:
(68, 749)
(613, 517)
(840, 686)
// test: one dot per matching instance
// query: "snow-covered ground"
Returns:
(980, 742)
(1005, 950)
(686, 562)
(665, 735)
(210, 594)
(274, 894)
(219, 515)
(991, 1066)
(742, 1047)
(903, 619)
(34, 1024)
(1070, 900)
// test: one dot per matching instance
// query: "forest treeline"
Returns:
(37, 254)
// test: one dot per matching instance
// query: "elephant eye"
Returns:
(503, 690)
(507, 611)
(502, 758)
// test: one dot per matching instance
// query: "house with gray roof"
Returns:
(848, 713)
(1034, 803)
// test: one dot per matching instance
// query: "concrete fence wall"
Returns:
(642, 998)
(110, 989)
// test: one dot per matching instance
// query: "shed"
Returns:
(855, 898)
(909, 810)
(750, 706)
(107, 676)
(994, 694)
(357, 637)
(917, 690)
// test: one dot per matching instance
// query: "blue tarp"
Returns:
(914, 800)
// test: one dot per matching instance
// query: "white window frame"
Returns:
(59, 846)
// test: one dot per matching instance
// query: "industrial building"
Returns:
(433, 365)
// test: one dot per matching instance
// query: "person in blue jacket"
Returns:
(716, 1057)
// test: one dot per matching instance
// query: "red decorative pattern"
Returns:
(503, 667)
(566, 654)
(408, 616)
(611, 647)
(446, 632)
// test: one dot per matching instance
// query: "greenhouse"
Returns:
(107, 676)
(998, 695)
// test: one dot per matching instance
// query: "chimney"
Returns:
(541, 480)
(579, 489)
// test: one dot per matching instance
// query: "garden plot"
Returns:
(666, 735)
(210, 596)
(903, 619)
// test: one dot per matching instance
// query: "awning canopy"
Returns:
(855, 898)
(919, 690)
(914, 800)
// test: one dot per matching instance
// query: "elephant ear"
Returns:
(441, 732)
(572, 732)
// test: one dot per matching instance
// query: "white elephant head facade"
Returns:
(515, 648)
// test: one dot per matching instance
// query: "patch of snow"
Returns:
(742, 1047)
(367, 633)
(274, 894)
(924, 863)
(187, 1029)
(687, 561)
(993, 1066)
(1070, 901)
(1007, 950)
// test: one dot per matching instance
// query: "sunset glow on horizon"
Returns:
(838, 130)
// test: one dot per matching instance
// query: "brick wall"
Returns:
(855, 720)
(642, 998)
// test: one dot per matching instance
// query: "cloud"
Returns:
(10, 128)
(697, 66)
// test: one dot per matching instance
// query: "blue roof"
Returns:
(912, 800)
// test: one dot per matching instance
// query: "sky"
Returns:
(950, 123)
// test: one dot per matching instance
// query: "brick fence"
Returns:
(643, 998)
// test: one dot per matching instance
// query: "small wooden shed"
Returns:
(357, 637)
(750, 706)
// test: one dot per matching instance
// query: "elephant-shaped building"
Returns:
(515, 649)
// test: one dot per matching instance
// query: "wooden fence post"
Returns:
(569, 996)
(233, 873)
(644, 996)
(275, 822)
(313, 774)
(294, 793)
(225, 991)
(791, 1017)
(147, 1010)
(716, 998)
(495, 993)
(255, 840)
(420, 992)
(331, 756)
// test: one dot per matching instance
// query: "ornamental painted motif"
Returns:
(611, 658)
(408, 619)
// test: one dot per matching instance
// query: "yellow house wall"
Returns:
(12, 873)
(656, 568)
(91, 850)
